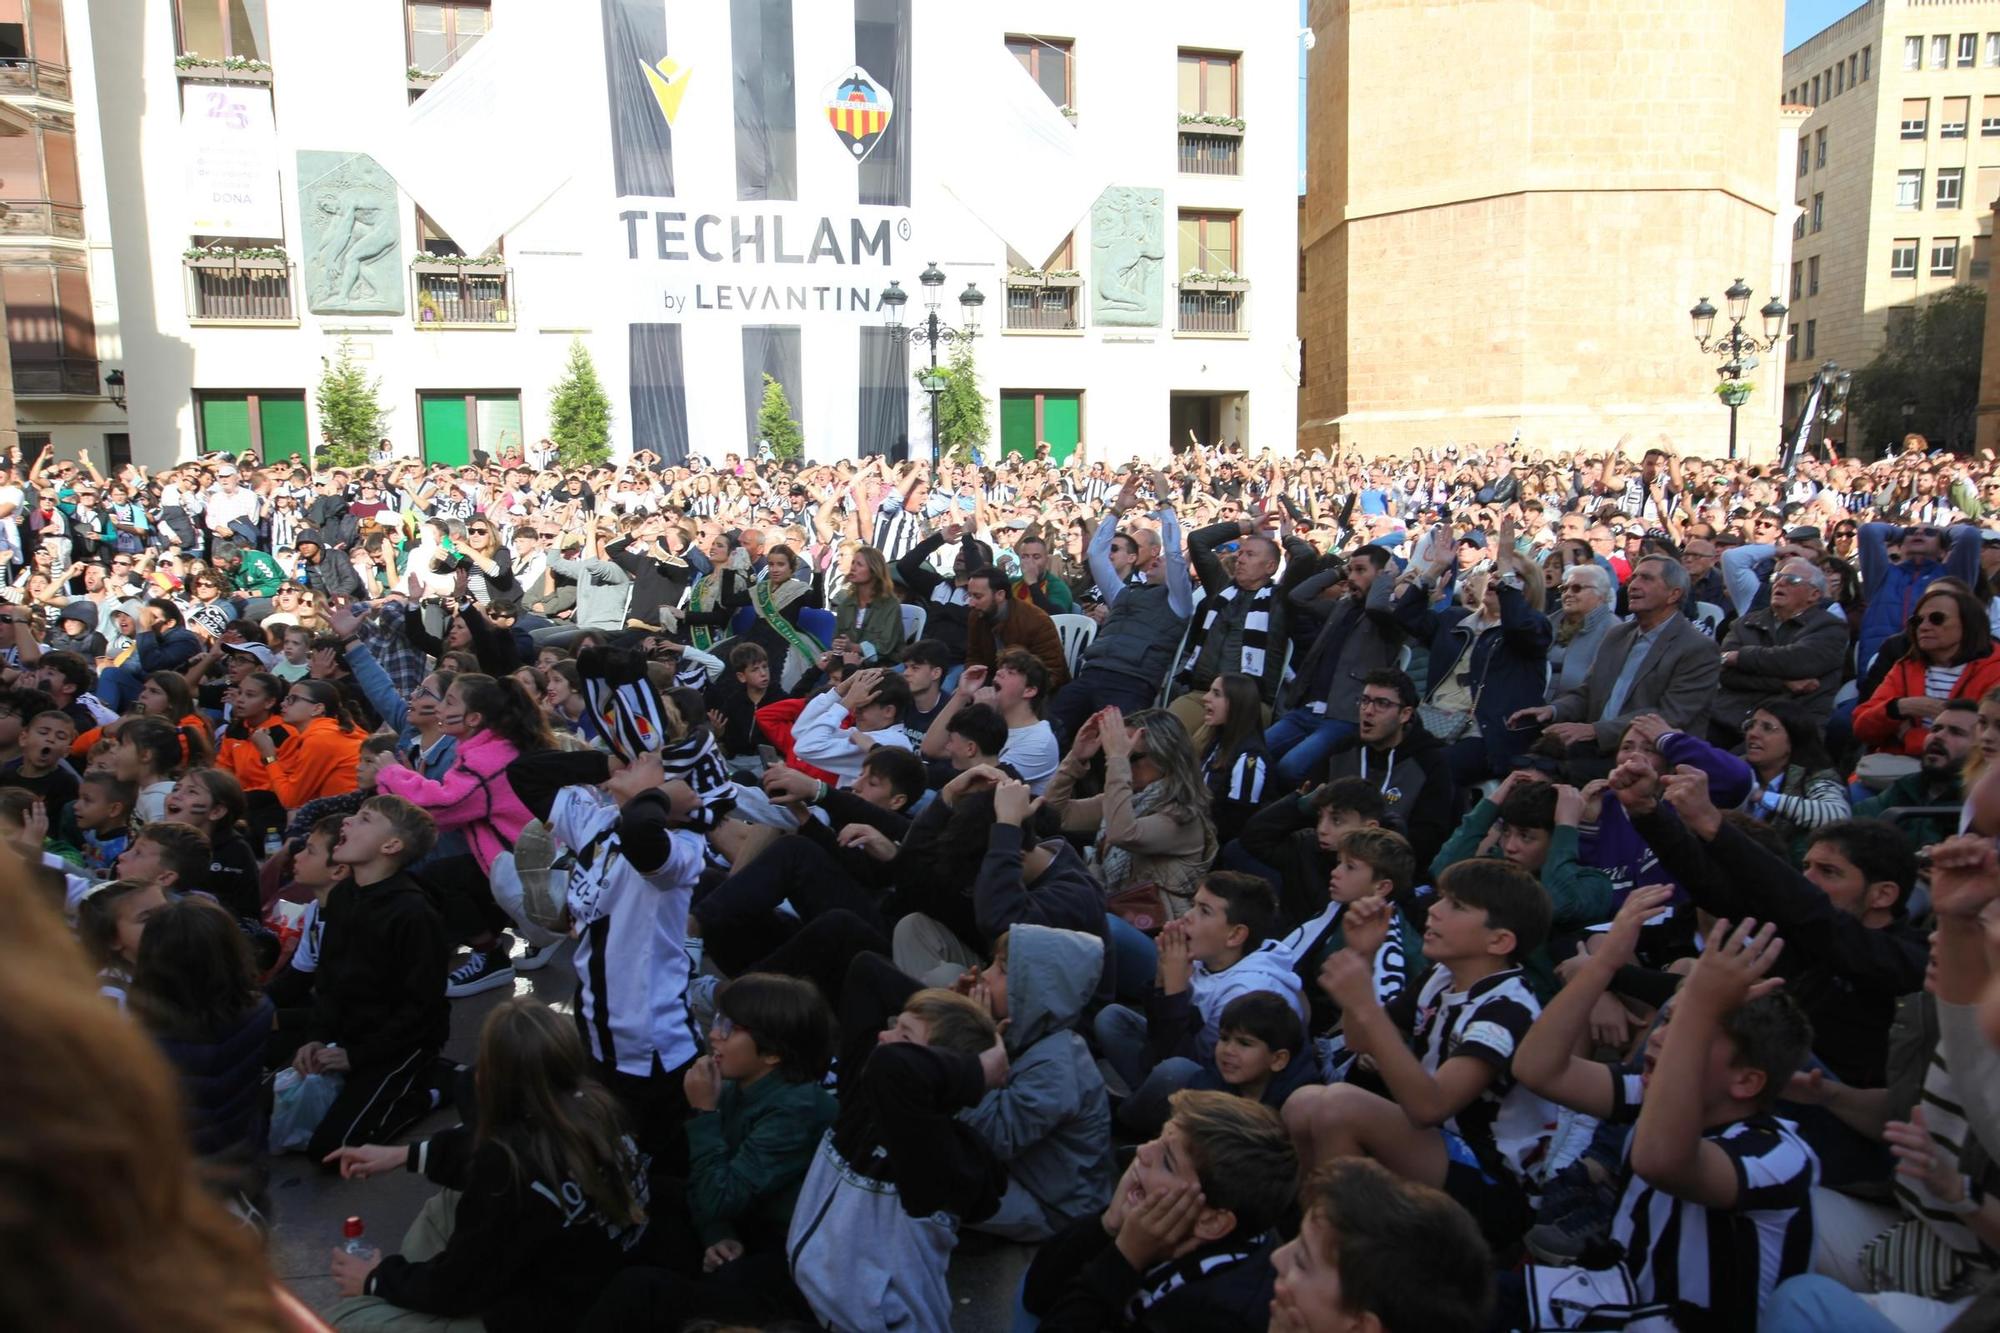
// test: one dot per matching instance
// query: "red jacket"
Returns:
(1873, 725)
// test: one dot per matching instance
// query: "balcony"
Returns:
(236, 69)
(231, 290)
(463, 296)
(39, 217)
(1039, 303)
(1211, 147)
(1211, 307)
(60, 377)
(20, 77)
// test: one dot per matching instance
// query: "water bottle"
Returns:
(354, 1244)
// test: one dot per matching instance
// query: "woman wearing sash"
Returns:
(707, 618)
(777, 599)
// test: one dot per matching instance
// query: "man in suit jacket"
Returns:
(999, 621)
(1657, 662)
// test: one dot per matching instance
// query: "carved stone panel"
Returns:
(1129, 249)
(353, 253)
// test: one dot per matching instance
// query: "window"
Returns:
(1944, 257)
(1805, 156)
(1050, 62)
(1940, 51)
(1799, 226)
(1815, 90)
(1989, 117)
(225, 29)
(1819, 148)
(1968, 49)
(1853, 64)
(1796, 288)
(1812, 337)
(1839, 78)
(1818, 211)
(1916, 116)
(442, 31)
(1207, 83)
(1827, 82)
(1951, 120)
(1867, 59)
(233, 421)
(1910, 187)
(1208, 241)
(1903, 258)
(1913, 53)
(1988, 187)
(1982, 257)
(1993, 48)
(1812, 276)
(1792, 341)
(1950, 186)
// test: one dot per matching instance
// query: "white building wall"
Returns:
(339, 85)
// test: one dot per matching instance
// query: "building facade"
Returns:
(1515, 248)
(742, 182)
(1895, 175)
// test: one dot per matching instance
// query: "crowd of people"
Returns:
(1447, 893)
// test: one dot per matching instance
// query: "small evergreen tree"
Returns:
(778, 424)
(350, 414)
(960, 407)
(580, 412)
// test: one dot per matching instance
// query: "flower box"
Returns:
(1062, 280)
(1026, 280)
(232, 263)
(1207, 127)
(1231, 285)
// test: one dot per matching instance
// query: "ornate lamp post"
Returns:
(932, 331)
(1737, 350)
(1834, 384)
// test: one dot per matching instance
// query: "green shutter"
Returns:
(225, 423)
(284, 421)
(445, 429)
(1017, 425)
(1062, 424)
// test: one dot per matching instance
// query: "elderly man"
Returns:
(1240, 625)
(1791, 649)
(1657, 662)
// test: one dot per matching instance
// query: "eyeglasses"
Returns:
(1767, 523)
(1377, 701)
(426, 692)
(1932, 618)
(1791, 579)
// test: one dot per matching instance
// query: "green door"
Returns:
(225, 423)
(445, 434)
(283, 418)
(1062, 424)
(1017, 425)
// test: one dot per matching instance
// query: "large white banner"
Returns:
(232, 162)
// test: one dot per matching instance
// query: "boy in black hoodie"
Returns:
(379, 1015)
(1188, 1238)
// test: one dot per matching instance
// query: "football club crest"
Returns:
(859, 110)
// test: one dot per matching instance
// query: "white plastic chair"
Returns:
(914, 619)
(1847, 694)
(1076, 633)
(1709, 616)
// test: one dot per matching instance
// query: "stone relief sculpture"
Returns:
(1128, 242)
(354, 257)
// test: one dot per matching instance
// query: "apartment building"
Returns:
(1515, 247)
(744, 182)
(1896, 172)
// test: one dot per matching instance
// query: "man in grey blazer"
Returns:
(1659, 661)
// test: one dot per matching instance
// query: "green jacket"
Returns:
(1916, 789)
(748, 1157)
(1580, 896)
(258, 575)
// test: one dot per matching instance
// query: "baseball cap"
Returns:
(225, 470)
(265, 657)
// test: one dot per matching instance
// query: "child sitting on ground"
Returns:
(110, 920)
(147, 754)
(1188, 1238)
(102, 817)
(43, 766)
(1716, 1202)
(1453, 1116)
(1262, 1051)
(1295, 841)
(1372, 863)
(314, 870)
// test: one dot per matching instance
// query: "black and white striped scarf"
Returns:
(1163, 1280)
(1256, 629)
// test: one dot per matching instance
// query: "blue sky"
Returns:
(1803, 18)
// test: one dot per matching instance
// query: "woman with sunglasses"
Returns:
(1951, 655)
(492, 575)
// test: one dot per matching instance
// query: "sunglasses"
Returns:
(479, 532)
(1923, 532)
(1791, 579)
(1932, 618)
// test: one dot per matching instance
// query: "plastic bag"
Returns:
(298, 1104)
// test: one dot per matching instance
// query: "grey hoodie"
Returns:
(1051, 1123)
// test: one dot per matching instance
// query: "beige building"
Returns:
(1896, 172)
(1516, 246)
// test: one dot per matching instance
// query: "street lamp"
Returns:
(932, 331)
(1737, 349)
(1834, 384)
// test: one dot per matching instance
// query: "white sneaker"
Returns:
(481, 972)
(535, 957)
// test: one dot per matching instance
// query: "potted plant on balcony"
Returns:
(1206, 123)
(1198, 280)
(1068, 111)
(196, 66)
(1025, 277)
(1229, 280)
(419, 75)
(1062, 277)
(428, 309)
(234, 259)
